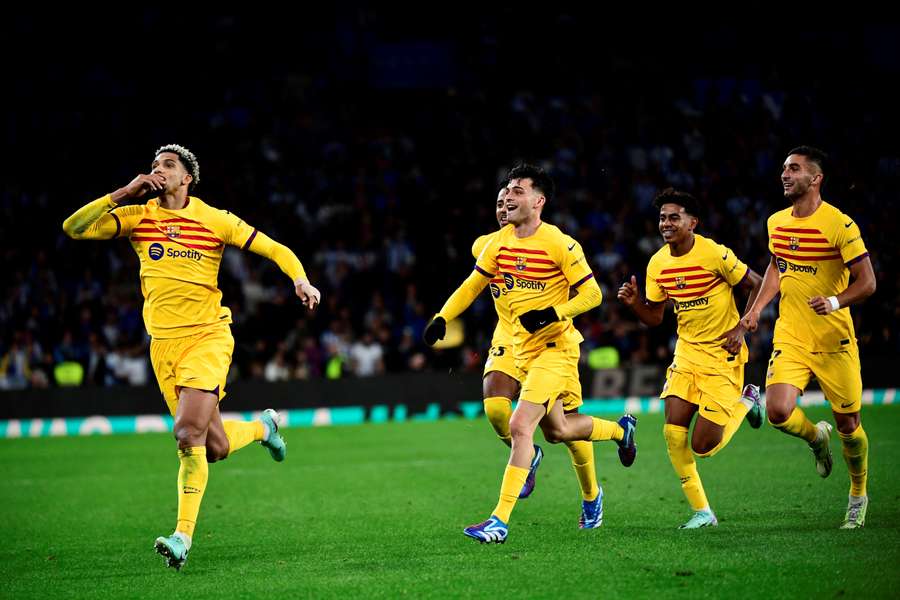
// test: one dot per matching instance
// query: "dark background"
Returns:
(371, 142)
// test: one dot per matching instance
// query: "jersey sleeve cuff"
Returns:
(483, 272)
(582, 280)
(118, 225)
(249, 239)
(857, 259)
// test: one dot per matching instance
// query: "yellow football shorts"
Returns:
(551, 375)
(501, 359)
(716, 393)
(198, 361)
(839, 373)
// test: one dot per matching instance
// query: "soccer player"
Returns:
(816, 251)
(500, 382)
(500, 387)
(707, 372)
(179, 240)
(537, 265)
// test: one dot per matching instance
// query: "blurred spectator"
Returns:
(367, 356)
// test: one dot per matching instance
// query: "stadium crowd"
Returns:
(380, 173)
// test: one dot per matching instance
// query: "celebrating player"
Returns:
(537, 264)
(816, 251)
(501, 386)
(707, 372)
(179, 240)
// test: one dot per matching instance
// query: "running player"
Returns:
(501, 387)
(179, 240)
(821, 266)
(537, 264)
(707, 373)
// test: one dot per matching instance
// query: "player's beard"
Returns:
(797, 190)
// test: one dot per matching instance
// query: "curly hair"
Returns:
(691, 205)
(188, 160)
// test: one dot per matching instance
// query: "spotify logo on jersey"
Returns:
(782, 264)
(155, 251)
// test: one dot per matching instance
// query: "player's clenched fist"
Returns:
(750, 321)
(823, 305)
(434, 331)
(308, 294)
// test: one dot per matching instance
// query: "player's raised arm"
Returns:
(95, 221)
(649, 313)
(456, 304)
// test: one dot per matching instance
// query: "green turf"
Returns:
(377, 511)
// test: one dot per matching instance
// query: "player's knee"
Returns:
(703, 449)
(777, 414)
(519, 429)
(215, 452)
(497, 384)
(847, 424)
(189, 434)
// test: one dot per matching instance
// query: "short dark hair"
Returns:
(812, 154)
(540, 180)
(691, 205)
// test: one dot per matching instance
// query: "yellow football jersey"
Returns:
(812, 255)
(534, 273)
(180, 252)
(699, 284)
(503, 335)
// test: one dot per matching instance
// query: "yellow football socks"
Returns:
(582, 454)
(606, 430)
(513, 480)
(740, 411)
(498, 410)
(798, 425)
(856, 453)
(192, 477)
(241, 433)
(685, 466)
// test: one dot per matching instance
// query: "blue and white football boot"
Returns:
(532, 472)
(591, 512)
(492, 531)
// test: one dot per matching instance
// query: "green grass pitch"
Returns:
(377, 511)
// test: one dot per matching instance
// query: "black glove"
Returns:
(435, 331)
(535, 319)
